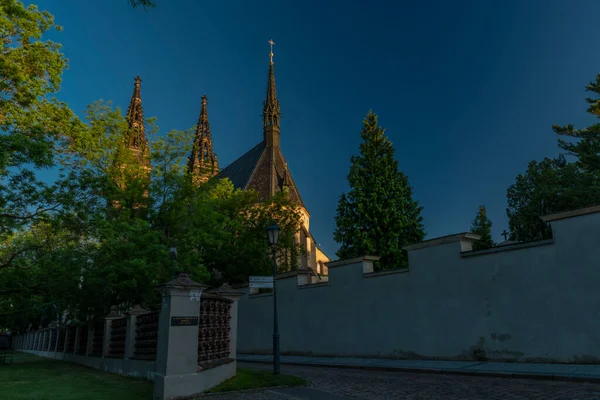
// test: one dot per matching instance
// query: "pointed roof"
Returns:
(136, 137)
(202, 152)
(264, 167)
(271, 107)
(265, 170)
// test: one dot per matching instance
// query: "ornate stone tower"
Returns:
(132, 162)
(135, 139)
(203, 163)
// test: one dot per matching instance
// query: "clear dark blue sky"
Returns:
(468, 90)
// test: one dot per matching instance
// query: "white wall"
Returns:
(528, 302)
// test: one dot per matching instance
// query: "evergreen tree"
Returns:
(378, 215)
(587, 146)
(482, 226)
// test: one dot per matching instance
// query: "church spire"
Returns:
(271, 110)
(203, 162)
(136, 138)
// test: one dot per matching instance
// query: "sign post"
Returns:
(261, 282)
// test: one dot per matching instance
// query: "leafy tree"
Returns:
(587, 145)
(378, 215)
(482, 226)
(33, 127)
(143, 3)
(547, 187)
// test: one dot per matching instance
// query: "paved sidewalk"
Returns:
(558, 372)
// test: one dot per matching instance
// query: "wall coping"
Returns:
(339, 263)
(442, 240)
(507, 247)
(314, 285)
(386, 272)
(571, 213)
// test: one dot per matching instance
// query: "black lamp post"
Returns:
(273, 232)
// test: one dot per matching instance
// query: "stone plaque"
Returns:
(184, 321)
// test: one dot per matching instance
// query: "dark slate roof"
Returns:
(240, 170)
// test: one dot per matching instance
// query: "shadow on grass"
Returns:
(36, 378)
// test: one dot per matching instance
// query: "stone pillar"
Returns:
(177, 347)
(64, 349)
(77, 336)
(57, 340)
(90, 340)
(233, 295)
(131, 330)
(49, 340)
(304, 276)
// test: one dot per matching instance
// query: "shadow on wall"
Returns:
(519, 302)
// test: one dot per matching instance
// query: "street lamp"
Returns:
(273, 232)
(173, 251)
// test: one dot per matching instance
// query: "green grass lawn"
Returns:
(254, 379)
(37, 378)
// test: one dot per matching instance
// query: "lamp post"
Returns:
(273, 232)
(173, 251)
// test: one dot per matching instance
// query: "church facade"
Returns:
(263, 168)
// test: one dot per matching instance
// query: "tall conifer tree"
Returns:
(482, 226)
(378, 215)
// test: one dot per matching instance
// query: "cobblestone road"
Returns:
(334, 384)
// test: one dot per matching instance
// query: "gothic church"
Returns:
(263, 168)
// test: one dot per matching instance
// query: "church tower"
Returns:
(203, 163)
(135, 139)
(265, 170)
(271, 108)
(132, 161)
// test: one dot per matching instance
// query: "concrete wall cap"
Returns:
(339, 263)
(442, 240)
(183, 281)
(571, 213)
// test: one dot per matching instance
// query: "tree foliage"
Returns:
(586, 146)
(547, 187)
(97, 238)
(482, 226)
(378, 215)
(555, 185)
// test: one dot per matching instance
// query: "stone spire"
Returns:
(271, 109)
(203, 163)
(136, 136)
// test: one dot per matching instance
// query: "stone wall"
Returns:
(535, 301)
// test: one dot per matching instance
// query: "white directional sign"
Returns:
(261, 282)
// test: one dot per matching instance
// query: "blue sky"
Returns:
(467, 90)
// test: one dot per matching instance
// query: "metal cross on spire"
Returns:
(271, 42)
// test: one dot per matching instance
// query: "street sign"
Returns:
(261, 282)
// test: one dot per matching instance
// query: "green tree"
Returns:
(33, 126)
(482, 226)
(586, 146)
(547, 187)
(378, 215)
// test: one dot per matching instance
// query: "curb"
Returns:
(251, 390)
(488, 374)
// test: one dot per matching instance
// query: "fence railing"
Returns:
(146, 336)
(214, 331)
(118, 334)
